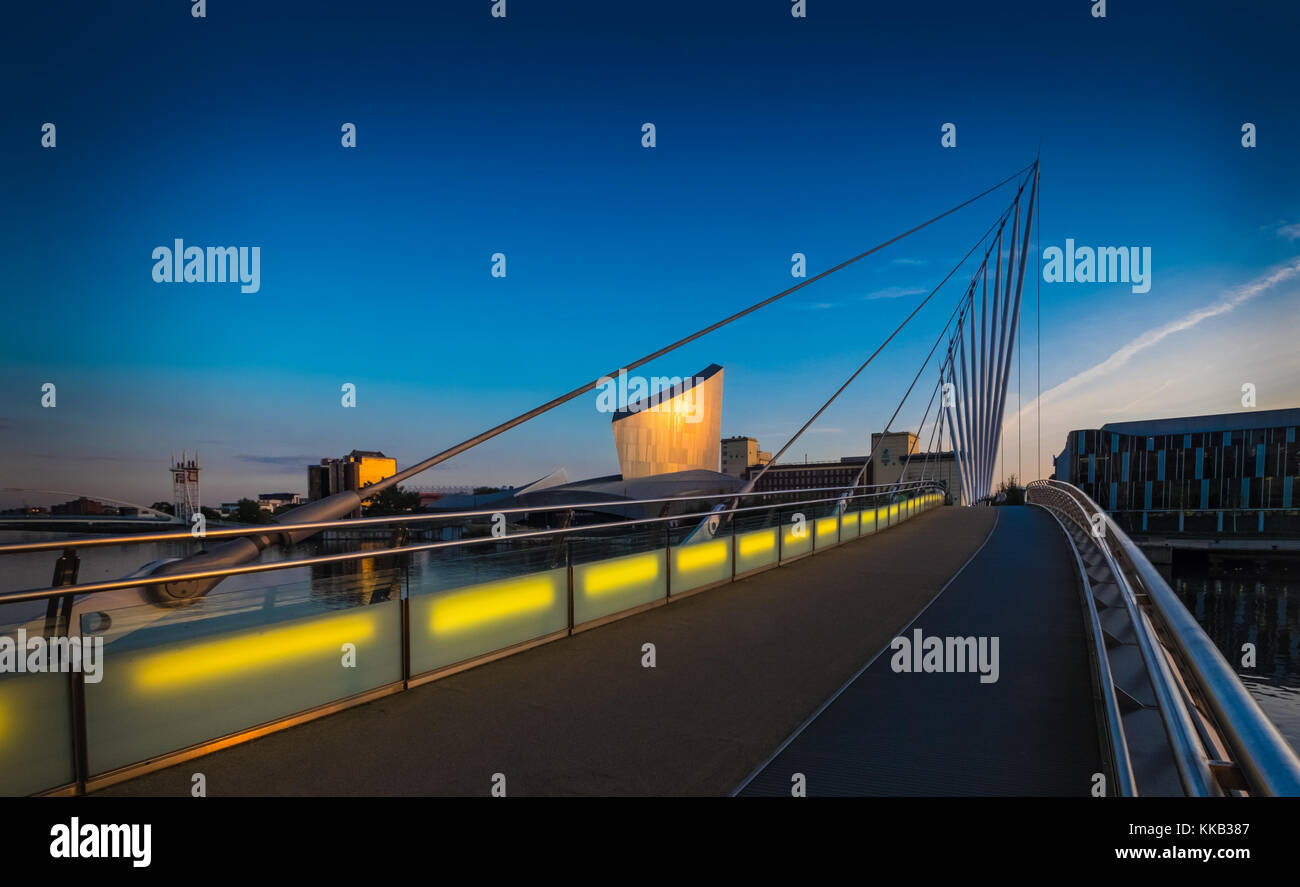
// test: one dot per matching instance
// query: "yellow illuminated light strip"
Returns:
(791, 538)
(495, 601)
(696, 557)
(215, 660)
(756, 543)
(611, 577)
(825, 526)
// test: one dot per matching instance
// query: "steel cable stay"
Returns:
(957, 314)
(979, 366)
(711, 524)
(936, 436)
(592, 385)
(920, 429)
(338, 505)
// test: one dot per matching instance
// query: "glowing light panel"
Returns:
(493, 602)
(691, 558)
(606, 578)
(207, 661)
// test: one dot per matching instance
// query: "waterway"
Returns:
(1241, 602)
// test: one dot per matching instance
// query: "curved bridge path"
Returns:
(1031, 732)
(741, 669)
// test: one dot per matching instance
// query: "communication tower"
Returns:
(185, 486)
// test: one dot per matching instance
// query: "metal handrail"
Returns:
(273, 528)
(1195, 510)
(1189, 758)
(46, 593)
(1121, 762)
(1267, 762)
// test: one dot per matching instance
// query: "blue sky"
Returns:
(523, 136)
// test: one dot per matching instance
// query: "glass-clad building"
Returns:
(1235, 473)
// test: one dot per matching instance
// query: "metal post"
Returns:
(406, 626)
(568, 568)
(65, 573)
(668, 561)
(733, 547)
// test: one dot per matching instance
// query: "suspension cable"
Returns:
(890, 338)
(590, 386)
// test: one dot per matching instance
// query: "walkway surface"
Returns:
(739, 668)
(1032, 732)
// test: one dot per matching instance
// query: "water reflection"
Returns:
(1239, 603)
(357, 583)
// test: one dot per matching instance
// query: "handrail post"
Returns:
(668, 561)
(65, 573)
(406, 625)
(733, 546)
(568, 569)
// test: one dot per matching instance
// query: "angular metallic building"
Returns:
(677, 428)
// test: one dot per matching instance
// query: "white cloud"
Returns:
(1231, 300)
(1185, 376)
(895, 292)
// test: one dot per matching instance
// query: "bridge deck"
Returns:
(1032, 732)
(739, 668)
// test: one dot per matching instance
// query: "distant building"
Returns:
(940, 467)
(26, 510)
(739, 453)
(672, 430)
(808, 475)
(466, 501)
(609, 495)
(352, 472)
(272, 501)
(890, 466)
(1232, 472)
(83, 506)
(891, 451)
